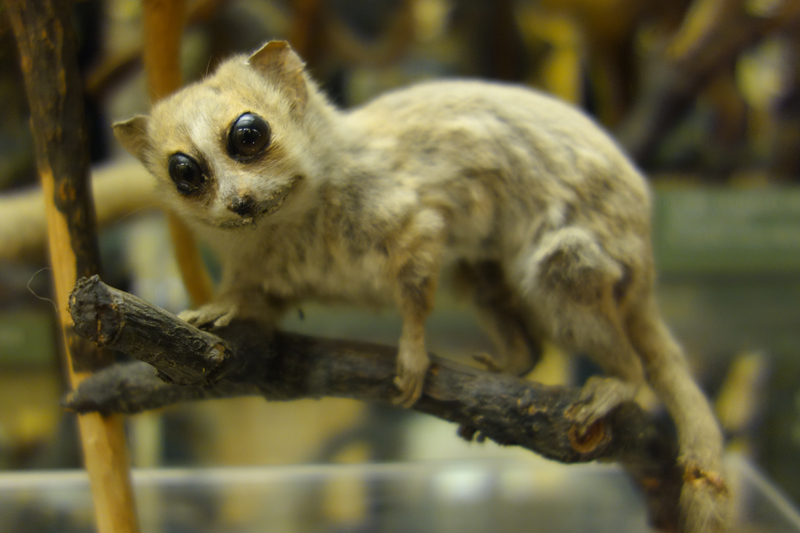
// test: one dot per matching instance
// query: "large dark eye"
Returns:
(249, 136)
(186, 173)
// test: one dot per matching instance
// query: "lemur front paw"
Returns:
(211, 316)
(412, 366)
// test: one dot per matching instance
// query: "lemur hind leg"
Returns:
(575, 290)
(591, 303)
(502, 317)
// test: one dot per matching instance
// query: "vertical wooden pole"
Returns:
(47, 49)
(163, 30)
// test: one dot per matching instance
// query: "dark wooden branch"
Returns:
(122, 321)
(248, 359)
(47, 47)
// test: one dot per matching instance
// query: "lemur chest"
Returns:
(299, 266)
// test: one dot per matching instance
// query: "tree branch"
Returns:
(247, 359)
(47, 46)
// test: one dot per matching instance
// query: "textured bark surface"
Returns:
(249, 359)
(48, 54)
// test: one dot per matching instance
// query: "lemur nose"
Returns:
(242, 205)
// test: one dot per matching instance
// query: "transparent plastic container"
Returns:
(441, 497)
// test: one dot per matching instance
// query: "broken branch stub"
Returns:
(181, 353)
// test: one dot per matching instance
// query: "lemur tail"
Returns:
(704, 497)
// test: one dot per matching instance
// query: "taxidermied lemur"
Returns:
(545, 221)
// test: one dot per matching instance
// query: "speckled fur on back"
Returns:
(546, 222)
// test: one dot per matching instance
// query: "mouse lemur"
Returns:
(544, 220)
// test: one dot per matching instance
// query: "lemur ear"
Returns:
(132, 135)
(277, 61)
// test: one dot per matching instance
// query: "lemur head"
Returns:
(231, 148)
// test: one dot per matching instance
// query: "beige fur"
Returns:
(546, 221)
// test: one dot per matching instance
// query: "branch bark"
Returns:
(247, 359)
(48, 55)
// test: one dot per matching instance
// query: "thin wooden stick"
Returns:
(47, 48)
(163, 30)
